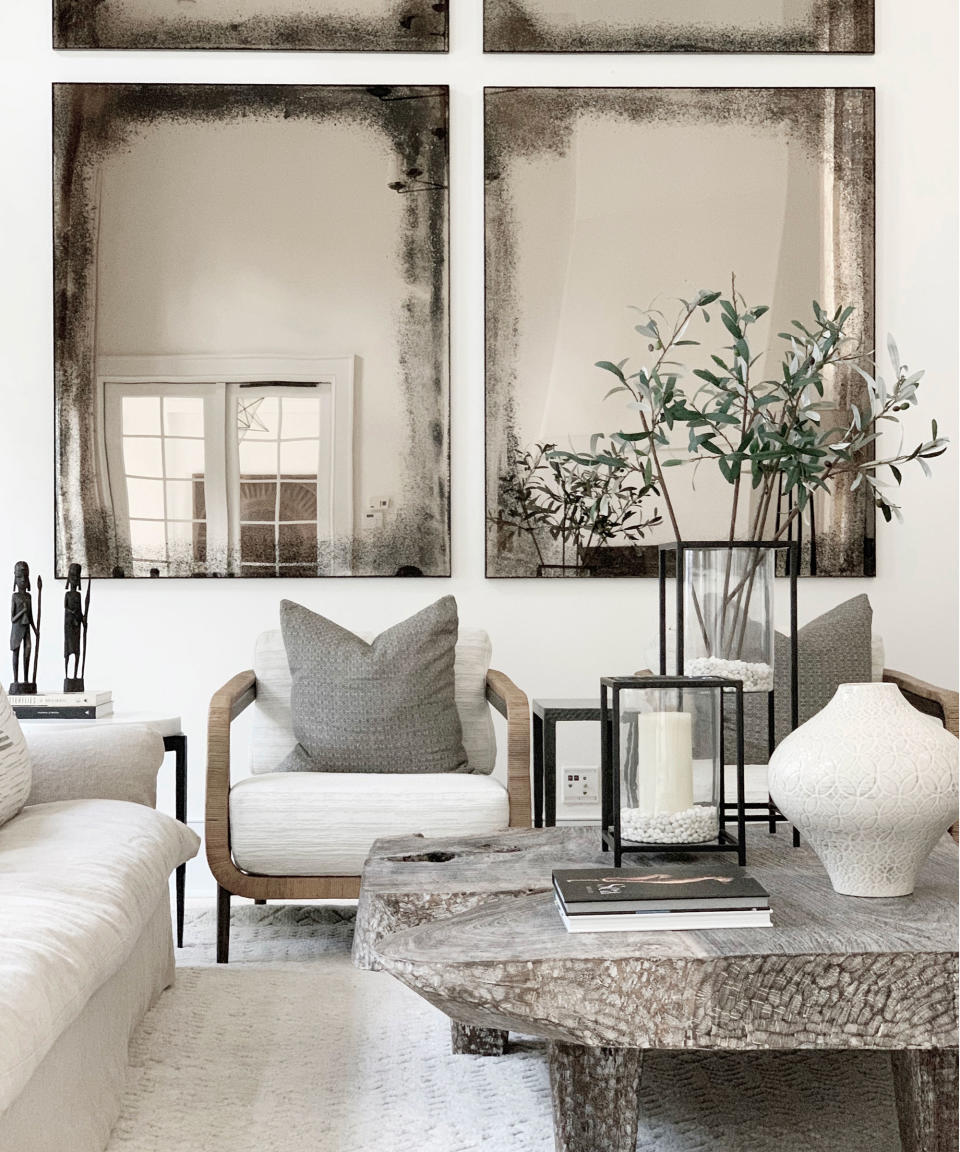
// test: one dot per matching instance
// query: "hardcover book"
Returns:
(88, 699)
(62, 712)
(644, 921)
(688, 888)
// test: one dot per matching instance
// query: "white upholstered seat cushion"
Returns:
(324, 823)
(272, 737)
(79, 879)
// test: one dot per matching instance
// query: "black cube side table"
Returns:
(547, 714)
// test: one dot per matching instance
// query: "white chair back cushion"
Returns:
(272, 737)
(14, 763)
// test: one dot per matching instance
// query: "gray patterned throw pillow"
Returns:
(387, 706)
(833, 649)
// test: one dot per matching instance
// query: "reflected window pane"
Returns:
(261, 570)
(183, 416)
(184, 500)
(258, 417)
(141, 415)
(258, 501)
(257, 543)
(297, 543)
(145, 498)
(142, 457)
(300, 457)
(183, 457)
(301, 416)
(298, 501)
(257, 458)
(186, 545)
(148, 540)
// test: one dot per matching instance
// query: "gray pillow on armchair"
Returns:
(387, 706)
(833, 649)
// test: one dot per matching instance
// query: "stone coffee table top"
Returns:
(834, 972)
(410, 880)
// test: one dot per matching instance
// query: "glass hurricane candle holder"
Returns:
(663, 765)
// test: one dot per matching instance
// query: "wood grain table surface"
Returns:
(486, 945)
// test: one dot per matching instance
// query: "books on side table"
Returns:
(63, 706)
(647, 900)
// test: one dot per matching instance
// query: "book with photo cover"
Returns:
(703, 887)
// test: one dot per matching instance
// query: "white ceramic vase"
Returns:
(871, 785)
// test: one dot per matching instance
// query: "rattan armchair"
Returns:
(227, 704)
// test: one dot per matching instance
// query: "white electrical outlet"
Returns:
(581, 785)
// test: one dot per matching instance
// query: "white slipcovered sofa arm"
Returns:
(115, 763)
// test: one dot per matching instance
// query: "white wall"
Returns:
(169, 645)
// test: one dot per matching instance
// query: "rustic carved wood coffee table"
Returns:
(834, 973)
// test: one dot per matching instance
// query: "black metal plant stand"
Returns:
(610, 823)
(756, 811)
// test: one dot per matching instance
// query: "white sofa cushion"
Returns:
(14, 763)
(324, 823)
(272, 737)
(79, 879)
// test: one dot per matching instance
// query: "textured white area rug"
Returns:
(290, 1049)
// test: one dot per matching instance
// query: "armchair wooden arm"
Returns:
(928, 698)
(512, 704)
(939, 702)
(225, 706)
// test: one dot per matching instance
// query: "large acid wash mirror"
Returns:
(251, 330)
(678, 25)
(284, 25)
(604, 201)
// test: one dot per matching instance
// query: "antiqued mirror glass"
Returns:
(604, 201)
(284, 25)
(251, 330)
(678, 25)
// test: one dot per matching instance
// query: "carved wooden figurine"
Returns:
(23, 630)
(76, 615)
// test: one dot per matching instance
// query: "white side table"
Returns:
(175, 741)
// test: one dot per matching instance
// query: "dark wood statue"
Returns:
(24, 630)
(76, 616)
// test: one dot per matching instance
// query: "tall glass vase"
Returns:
(728, 595)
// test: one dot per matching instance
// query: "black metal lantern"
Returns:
(662, 765)
(725, 624)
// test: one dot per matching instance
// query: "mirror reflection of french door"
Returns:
(229, 476)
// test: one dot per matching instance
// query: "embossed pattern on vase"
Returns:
(871, 783)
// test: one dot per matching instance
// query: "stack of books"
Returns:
(63, 706)
(651, 900)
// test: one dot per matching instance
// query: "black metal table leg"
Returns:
(550, 772)
(537, 771)
(178, 745)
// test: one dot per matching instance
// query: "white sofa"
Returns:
(86, 941)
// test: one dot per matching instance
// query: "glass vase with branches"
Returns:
(765, 435)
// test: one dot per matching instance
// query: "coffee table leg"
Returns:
(925, 1083)
(466, 1040)
(596, 1097)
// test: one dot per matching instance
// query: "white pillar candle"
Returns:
(664, 762)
